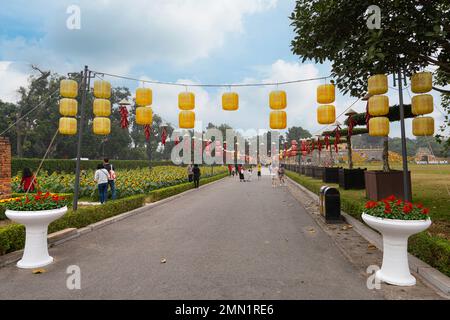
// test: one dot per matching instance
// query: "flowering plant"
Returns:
(37, 202)
(393, 208)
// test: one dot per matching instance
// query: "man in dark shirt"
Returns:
(197, 173)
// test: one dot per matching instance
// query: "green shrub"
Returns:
(68, 165)
(433, 250)
(12, 238)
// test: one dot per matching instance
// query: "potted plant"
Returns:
(396, 220)
(36, 213)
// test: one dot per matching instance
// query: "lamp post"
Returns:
(406, 186)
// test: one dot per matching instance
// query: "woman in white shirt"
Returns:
(101, 177)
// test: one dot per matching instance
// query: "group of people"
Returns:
(277, 173)
(194, 173)
(105, 176)
(244, 174)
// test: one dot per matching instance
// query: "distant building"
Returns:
(424, 155)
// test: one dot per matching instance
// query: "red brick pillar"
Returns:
(5, 168)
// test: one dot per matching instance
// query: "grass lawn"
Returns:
(431, 187)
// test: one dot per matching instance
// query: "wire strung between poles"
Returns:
(209, 85)
(7, 129)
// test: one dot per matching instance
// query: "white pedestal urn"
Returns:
(395, 267)
(36, 223)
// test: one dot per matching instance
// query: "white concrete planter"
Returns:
(395, 267)
(36, 223)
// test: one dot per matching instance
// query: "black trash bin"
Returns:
(332, 205)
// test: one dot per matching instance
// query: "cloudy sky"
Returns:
(187, 41)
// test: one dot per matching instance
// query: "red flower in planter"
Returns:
(419, 205)
(371, 204)
(391, 198)
(37, 197)
(425, 211)
(398, 202)
(407, 208)
(387, 210)
(46, 195)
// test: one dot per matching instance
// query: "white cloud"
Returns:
(117, 35)
(11, 80)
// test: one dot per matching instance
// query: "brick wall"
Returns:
(5, 168)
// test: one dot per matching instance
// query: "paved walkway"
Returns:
(230, 240)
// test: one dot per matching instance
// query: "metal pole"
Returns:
(406, 192)
(86, 74)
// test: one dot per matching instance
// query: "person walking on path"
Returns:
(281, 175)
(101, 177)
(190, 172)
(274, 174)
(259, 171)
(197, 173)
(241, 174)
(230, 169)
(112, 178)
(28, 182)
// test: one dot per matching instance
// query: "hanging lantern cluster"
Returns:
(278, 102)
(378, 105)
(144, 112)
(102, 108)
(326, 112)
(68, 107)
(186, 103)
(422, 104)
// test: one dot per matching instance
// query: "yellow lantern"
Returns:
(186, 101)
(421, 82)
(144, 97)
(101, 126)
(144, 115)
(378, 105)
(379, 127)
(102, 89)
(67, 126)
(186, 119)
(102, 108)
(278, 100)
(68, 107)
(326, 114)
(422, 104)
(230, 101)
(378, 84)
(423, 126)
(325, 93)
(278, 119)
(68, 88)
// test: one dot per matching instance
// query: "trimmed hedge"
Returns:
(69, 165)
(433, 250)
(12, 237)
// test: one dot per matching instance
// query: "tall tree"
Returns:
(413, 36)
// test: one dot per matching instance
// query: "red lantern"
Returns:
(147, 132)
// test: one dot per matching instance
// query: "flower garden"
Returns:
(129, 182)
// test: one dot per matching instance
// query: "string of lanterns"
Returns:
(102, 107)
(422, 104)
(68, 107)
(378, 105)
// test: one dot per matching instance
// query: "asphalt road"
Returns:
(229, 240)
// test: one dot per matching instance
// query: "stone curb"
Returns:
(427, 273)
(64, 235)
